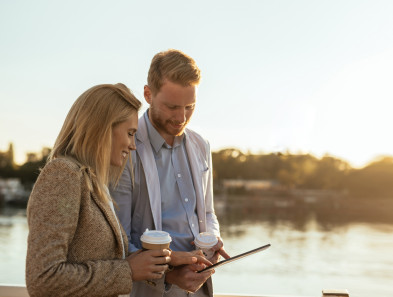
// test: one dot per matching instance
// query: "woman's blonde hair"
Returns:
(175, 66)
(86, 135)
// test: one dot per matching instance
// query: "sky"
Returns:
(277, 76)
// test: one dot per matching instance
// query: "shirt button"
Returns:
(192, 225)
(178, 175)
(186, 199)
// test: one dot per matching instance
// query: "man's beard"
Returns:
(166, 125)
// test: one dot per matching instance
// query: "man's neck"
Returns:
(169, 139)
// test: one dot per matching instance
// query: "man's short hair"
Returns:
(174, 66)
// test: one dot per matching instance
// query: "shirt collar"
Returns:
(156, 140)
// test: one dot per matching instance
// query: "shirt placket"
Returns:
(186, 190)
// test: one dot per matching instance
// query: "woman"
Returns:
(76, 246)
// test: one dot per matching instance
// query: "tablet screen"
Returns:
(237, 257)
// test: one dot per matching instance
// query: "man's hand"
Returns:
(219, 251)
(184, 258)
(187, 278)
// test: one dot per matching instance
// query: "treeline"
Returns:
(291, 171)
(304, 171)
(28, 172)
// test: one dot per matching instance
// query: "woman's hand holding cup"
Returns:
(147, 265)
(151, 262)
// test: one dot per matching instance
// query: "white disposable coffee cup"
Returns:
(205, 241)
(155, 240)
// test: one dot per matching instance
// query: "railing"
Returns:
(21, 291)
(13, 291)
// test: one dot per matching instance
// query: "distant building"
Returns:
(7, 157)
(312, 196)
(11, 189)
(249, 185)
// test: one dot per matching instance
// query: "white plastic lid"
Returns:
(205, 240)
(156, 237)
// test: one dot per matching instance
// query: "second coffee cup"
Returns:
(205, 241)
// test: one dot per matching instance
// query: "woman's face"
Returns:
(123, 140)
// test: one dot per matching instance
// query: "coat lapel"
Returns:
(110, 216)
(146, 156)
(121, 238)
(196, 162)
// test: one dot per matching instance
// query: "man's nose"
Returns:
(181, 115)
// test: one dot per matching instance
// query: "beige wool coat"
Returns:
(75, 246)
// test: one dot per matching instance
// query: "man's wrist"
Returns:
(167, 282)
(168, 277)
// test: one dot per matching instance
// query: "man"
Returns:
(169, 186)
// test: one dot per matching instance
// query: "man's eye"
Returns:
(191, 107)
(131, 134)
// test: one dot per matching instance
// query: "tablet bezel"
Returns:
(237, 257)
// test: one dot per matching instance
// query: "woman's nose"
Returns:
(132, 146)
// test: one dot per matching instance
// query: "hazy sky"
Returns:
(304, 76)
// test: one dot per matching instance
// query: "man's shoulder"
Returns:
(194, 136)
(199, 142)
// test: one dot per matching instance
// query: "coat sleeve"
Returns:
(211, 218)
(122, 194)
(53, 212)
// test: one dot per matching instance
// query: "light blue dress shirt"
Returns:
(178, 199)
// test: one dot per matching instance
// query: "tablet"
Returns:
(237, 257)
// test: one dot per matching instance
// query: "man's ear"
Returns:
(147, 94)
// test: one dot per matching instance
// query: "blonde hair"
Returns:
(175, 66)
(86, 135)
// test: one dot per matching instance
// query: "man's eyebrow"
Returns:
(175, 105)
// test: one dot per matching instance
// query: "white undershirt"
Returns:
(118, 225)
(117, 221)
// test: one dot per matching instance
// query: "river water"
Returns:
(308, 252)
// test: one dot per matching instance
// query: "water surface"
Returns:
(309, 252)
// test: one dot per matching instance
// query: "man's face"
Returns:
(171, 108)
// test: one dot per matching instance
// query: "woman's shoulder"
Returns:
(62, 166)
(60, 179)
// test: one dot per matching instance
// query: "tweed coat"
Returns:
(74, 245)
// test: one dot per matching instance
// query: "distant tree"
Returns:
(290, 170)
(328, 173)
(228, 164)
(372, 181)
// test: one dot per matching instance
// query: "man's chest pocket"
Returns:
(205, 171)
